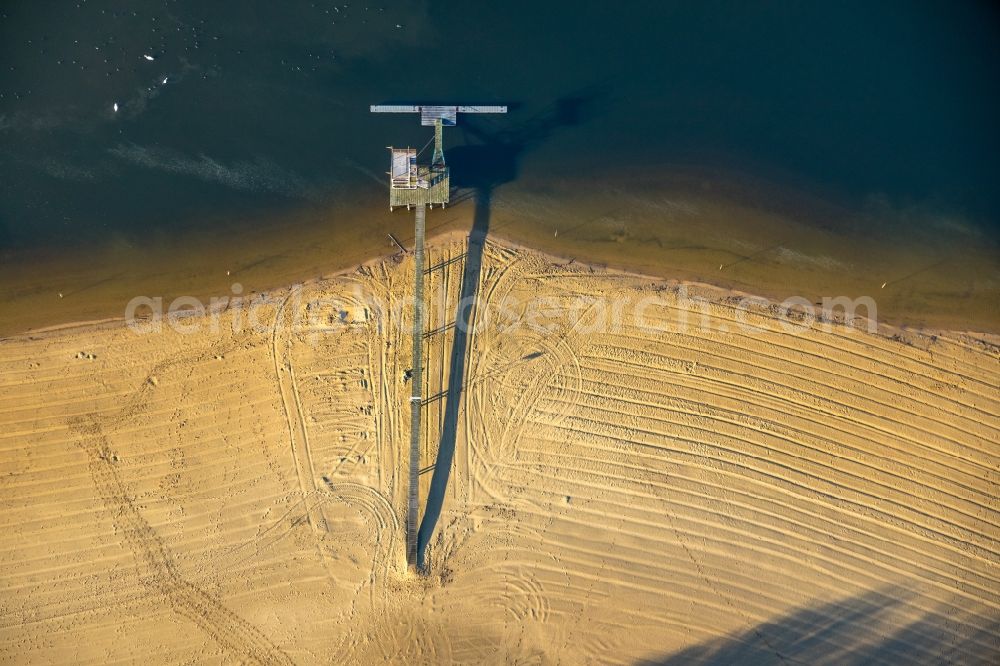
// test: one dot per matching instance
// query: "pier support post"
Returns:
(437, 162)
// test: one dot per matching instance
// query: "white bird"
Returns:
(115, 107)
(148, 57)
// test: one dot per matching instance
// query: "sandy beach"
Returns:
(690, 480)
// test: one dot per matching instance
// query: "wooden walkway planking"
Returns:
(416, 387)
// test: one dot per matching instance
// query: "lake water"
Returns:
(244, 118)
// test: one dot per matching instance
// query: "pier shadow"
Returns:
(489, 159)
(492, 159)
(873, 627)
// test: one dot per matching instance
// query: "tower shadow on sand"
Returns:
(492, 159)
(887, 625)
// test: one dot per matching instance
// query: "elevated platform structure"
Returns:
(412, 184)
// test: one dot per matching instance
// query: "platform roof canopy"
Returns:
(431, 113)
(404, 166)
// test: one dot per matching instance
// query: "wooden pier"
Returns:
(416, 388)
(420, 185)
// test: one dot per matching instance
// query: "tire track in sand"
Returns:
(289, 395)
(157, 571)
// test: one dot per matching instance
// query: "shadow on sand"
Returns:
(874, 627)
(480, 167)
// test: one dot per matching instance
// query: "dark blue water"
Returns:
(264, 104)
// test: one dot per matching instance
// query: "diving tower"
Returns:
(412, 184)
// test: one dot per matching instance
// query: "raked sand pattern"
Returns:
(617, 496)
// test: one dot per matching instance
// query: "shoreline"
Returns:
(711, 237)
(717, 293)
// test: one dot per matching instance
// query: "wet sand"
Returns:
(674, 226)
